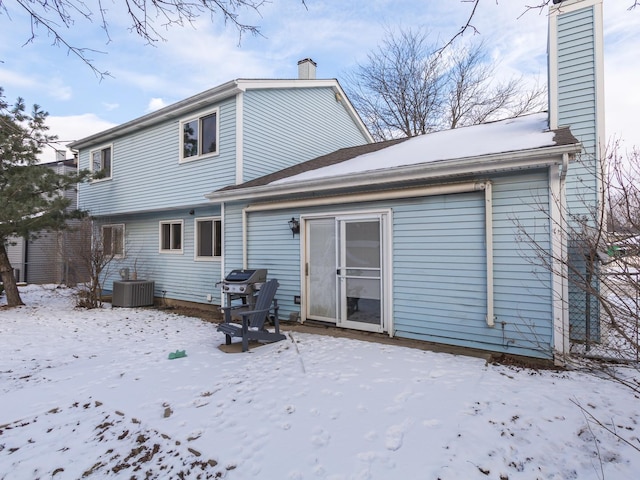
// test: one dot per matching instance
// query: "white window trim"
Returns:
(111, 225)
(100, 148)
(196, 240)
(198, 117)
(175, 251)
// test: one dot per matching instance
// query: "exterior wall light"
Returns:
(294, 225)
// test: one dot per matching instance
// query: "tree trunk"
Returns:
(8, 280)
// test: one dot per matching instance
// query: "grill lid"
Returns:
(247, 276)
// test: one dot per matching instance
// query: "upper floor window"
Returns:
(171, 236)
(208, 238)
(199, 136)
(113, 240)
(101, 162)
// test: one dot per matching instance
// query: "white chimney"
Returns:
(307, 69)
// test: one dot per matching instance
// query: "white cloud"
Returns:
(156, 104)
(110, 106)
(10, 78)
(71, 128)
(58, 90)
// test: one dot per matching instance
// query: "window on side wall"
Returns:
(171, 236)
(208, 236)
(101, 160)
(113, 240)
(199, 136)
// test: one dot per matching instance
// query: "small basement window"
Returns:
(113, 240)
(171, 236)
(208, 238)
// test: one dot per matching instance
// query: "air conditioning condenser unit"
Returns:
(132, 293)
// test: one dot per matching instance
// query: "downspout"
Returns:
(565, 167)
(239, 138)
(244, 238)
(557, 208)
(564, 276)
(488, 228)
(222, 258)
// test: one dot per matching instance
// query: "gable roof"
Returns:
(216, 94)
(521, 142)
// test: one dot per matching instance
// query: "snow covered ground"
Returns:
(92, 394)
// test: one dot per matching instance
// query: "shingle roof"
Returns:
(560, 137)
(319, 162)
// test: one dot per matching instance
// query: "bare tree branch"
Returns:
(408, 88)
(146, 17)
(468, 25)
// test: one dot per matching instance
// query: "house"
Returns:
(423, 238)
(455, 237)
(436, 238)
(49, 257)
(155, 170)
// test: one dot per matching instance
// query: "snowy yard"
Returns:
(92, 394)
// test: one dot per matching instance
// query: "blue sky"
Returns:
(336, 34)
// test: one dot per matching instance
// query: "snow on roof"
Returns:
(521, 133)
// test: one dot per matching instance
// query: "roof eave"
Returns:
(172, 111)
(215, 94)
(508, 161)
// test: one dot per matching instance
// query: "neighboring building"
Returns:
(156, 170)
(437, 238)
(48, 258)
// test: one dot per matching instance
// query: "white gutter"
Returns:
(534, 158)
(423, 191)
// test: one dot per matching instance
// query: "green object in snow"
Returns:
(614, 250)
(177, 354)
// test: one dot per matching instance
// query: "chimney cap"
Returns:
(304, 60)
(307, 69)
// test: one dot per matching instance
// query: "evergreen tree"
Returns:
(31, 195)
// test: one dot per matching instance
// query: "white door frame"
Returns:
(386, 274)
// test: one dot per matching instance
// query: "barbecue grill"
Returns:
(243, 285)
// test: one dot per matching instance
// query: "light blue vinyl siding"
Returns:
(274, 247)
(283, 127)
(439, 264)
(232, 238)
(179, 275)
(522, 284)
(439, 268)
(577, 102)
(148, 176)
